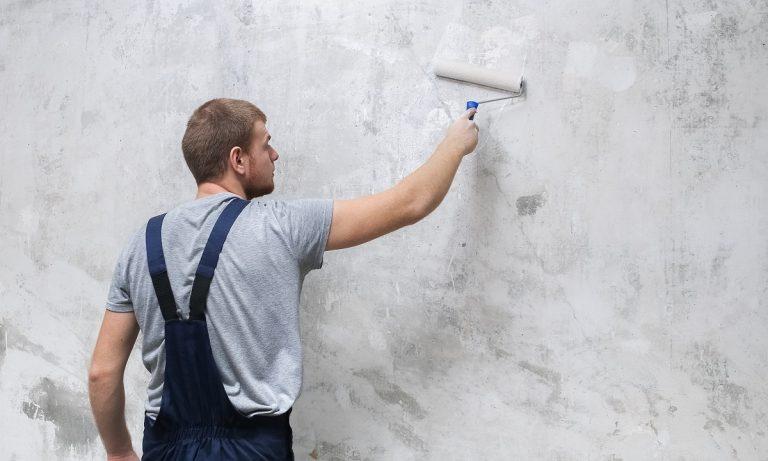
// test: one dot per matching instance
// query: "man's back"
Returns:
(253, 302)
(252, 306)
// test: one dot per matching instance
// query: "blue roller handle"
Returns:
(470, 105)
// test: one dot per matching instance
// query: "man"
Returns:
(224, 352)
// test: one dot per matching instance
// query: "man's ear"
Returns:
(236, 159)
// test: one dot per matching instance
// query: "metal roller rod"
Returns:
(497, 99)
(516, 95)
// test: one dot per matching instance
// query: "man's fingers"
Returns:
(469, 112)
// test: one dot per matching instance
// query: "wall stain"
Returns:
(370, 127)
(714, 424)
(68, 410)
(406, 434)
(391, 392)
(616, 404)
(652, 398)
(245, 13)
(528, 204)
(551, 377)
(717, 273)
(87, 118)
(12, 338)
(3, 341)
(726, 399)
(344, 452)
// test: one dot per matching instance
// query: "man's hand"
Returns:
(462, 134)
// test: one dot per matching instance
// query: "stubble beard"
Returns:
(258, 190)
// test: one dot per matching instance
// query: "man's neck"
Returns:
(209, 188)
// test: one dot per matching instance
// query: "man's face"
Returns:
(260, 169)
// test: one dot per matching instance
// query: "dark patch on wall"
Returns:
(406, 434)
(453, 318)
(336, 451)
(370, 127)
(630, 41)
(718, 277)
(23, 5)
(355, 399)
(528, 204)
(671, 409)
(3, 339)
(727, 399)
(551, 377)
(12, 338)
(245, 13)
(616, 404)
(711, 49)
(391, 392)
(68, 410)
(402, 36)
(344, 452)
(87, 118)
(498, 352)
(628, 294)
(726, 27)
(653, 398)
(713, 424)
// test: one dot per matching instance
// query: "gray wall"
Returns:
(593, 286)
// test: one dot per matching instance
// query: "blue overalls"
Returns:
(197, 421)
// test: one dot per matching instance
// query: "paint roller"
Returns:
(507, 80)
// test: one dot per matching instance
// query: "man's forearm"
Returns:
(107, 397)
(430, 182)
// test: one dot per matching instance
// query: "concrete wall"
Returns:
(593, 287)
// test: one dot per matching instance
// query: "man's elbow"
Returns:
(98, 375)
(414, 212)
(418, 210)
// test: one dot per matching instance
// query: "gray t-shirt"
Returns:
(253, 302)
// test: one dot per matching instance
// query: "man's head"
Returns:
(227, 143)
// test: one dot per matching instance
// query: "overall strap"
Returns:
(157, 269)
(210, 257)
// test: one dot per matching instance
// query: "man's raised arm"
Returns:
(363, 219)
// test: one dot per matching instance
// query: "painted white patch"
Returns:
(436, 120)
(496, 47)
(454, 43)
(505, 48)
(587, 61)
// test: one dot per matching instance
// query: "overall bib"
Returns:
(197, 421)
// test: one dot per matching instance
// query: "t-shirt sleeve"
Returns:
(307, 223)
(119, 296)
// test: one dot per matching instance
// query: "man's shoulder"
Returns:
(289, 204)
(134, 244)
